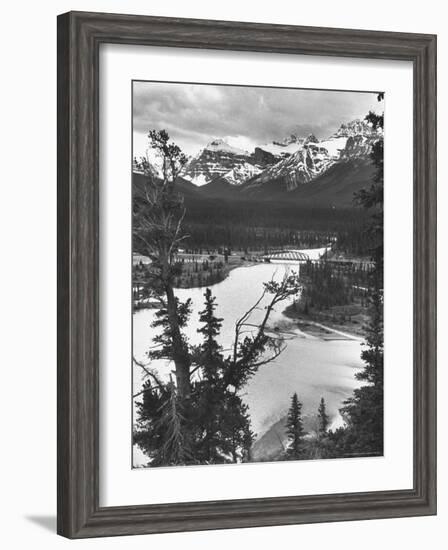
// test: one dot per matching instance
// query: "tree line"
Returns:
(328, 284)
(241, 223)
(196, 415)
(362, 432)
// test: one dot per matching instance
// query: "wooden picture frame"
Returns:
(79, 38)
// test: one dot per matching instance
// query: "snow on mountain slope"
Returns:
(283, 148)
(354, 128)
(345, 137)
(301, 167)
(313, 157)
(198, 179)
(290, 162)
(219, 159)
(241, 173)
(280, 150)
(334, 146)
(224, 147)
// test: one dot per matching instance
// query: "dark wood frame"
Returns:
(79, 38)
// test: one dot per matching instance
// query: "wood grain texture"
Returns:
(79, 38)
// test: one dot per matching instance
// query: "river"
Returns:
(311, 366)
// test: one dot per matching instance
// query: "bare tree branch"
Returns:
(149, 372)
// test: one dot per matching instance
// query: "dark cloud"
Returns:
(193, 114)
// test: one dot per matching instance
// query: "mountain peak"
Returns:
(311, 139)
(288, 140)
(218, 160)
(353, 128)
(219, 144)
(294, 160)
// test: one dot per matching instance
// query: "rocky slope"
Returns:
(279, 150)
(301, 167)
(220, 160)
(282, 166)
(313, 158)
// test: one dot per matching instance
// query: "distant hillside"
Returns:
(183, 186)
(221, 170)
(219, 213)
(220, 188)
(336, 186)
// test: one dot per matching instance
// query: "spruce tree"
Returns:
(164, 341)
(294, 429)
(157, 221)
(323, 418)
(208, 391)
(161, 430)
(221, 415)
(363, 412)
(210, 330)
(199, 416)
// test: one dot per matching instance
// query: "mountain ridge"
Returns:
(305, 170)
(294, 160)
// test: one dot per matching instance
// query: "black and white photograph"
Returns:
(222, 243)
(257, 280)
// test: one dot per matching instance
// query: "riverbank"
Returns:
(338, 322)
(312, 367)
(208, 272)
(195, 272)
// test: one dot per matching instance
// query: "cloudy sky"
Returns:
(194, 114)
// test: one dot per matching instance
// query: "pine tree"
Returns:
(323, 418)
(208, 391)
(157, 228)
(213, 425)
(294, 429)
(372, 198)
(199, 416)
(210, 330)
(161, 432)
(175, 448)
(363, 412)
(164, 341)
(220, 418)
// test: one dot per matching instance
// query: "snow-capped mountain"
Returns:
(283, 148)
(357, 146)
(303, 166)
(220, 160)
(314, 157)
(241, 173)
(352, 139)
(285, 164)
(354, 128)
